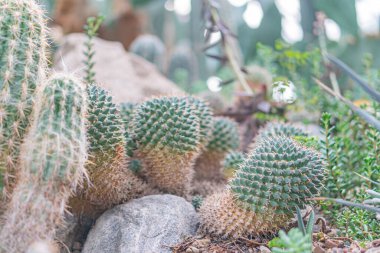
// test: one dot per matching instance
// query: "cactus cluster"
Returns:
(51, 165)
(22, 69)
(112, 182)
(278, 175)
(167, 133)
(224, 138)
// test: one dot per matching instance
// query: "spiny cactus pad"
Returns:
(51, 165)
(278, 175)
(231, 163)
(224, 138)
(112, 181)
(167, 131)
(23, 63)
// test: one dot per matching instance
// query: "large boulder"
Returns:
(147, 225)
(128, 77)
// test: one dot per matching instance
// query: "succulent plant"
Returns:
(294, 242)
(167, 132)
(231, 163)
(214, 100)
(112, 181)
(273, 129)
(224, 138)
(52, 162)
(197, 201)
(23, 62)
(278, 175)
(126, 113)
(206, 188)
(150, 48)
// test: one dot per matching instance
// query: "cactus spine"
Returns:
(278, 175)
(232, 162)
(167, 131)
(51, 165)
(23, 62)
(112, 182)
(224, 138)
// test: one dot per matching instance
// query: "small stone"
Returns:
(264, 249)
(331, 244)
(202, 243)
(318, 249)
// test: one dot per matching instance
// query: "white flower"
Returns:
(284, 92)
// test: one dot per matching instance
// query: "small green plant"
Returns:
(91, 28)
(293, 242)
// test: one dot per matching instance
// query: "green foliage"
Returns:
(279, 174)
(311, 142)
(224, 136)
(293, 242)
(23, 63)
(169, 122)
(91, 29)
(357, 224)
(105, 127)
(150, 48)
(135, 165)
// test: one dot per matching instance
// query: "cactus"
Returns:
(150, 48)
(204, 113)
(23, 62)
(52, 163)
(167, 132)
(214, 100)
(231, 163)
(126, 113)
(206, 188)
(112, 182)
(273, 129)
(278, 175)
(224, 138)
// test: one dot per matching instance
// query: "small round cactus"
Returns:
(112, 181)
(278, 175)
(167, 132)
(224, 138)
(150, 48)
(231, 163)
(52, 162)
(23, 64)
(273, 129)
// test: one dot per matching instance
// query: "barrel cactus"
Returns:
(51, 165)
(273, 129)
(278, 175)
(112, 182)
(224, 138)
(167, 132)
(231, 163)
(23, 62)
(150, 48)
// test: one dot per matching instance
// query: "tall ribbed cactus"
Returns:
(224, 138)
(22, 68)
(112, 182)
(51, 165)
(277, 176)
(167, 131)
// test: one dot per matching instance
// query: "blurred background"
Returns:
(171, 34)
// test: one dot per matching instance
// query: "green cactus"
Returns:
(231, 163)
(224, 138)
(126, 113)
(273, 129)
(197, 201)
(51, 165)
(23, 62)
(204, 113)
(167, 132)
(278, 175)
(113, 183)
(150, 48)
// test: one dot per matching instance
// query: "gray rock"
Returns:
(147, 225)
